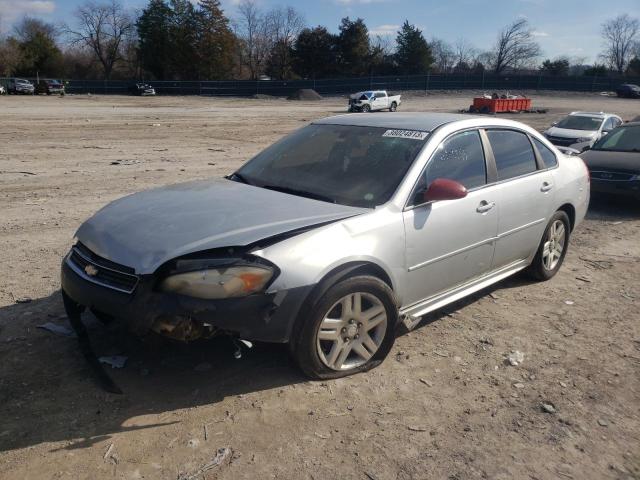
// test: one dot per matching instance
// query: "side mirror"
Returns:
(554, 124)
(444, 189)
(605, 132)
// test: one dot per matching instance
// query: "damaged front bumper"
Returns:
(265, 317)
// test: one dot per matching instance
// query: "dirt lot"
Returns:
(444, 405)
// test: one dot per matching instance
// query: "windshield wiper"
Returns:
(238, 176)
(300, 193)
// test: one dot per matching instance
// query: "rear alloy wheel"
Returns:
(393, 107)
(351, 329)
(552, 249)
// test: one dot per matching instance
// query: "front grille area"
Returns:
(563, 142)
(101, 271)
(611, 176)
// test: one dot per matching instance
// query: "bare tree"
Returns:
(102, 28)
(464, 54)
(283, 25)
(255, 40)
(515, 47)
(619, 36)
(443, 55)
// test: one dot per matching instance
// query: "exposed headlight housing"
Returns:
(218, 283)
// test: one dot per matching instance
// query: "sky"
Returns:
(562, 27)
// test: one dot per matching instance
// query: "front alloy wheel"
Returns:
(349, 329)
(352, 331)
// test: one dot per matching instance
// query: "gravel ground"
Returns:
(444, 405)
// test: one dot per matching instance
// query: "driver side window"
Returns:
(459, 158)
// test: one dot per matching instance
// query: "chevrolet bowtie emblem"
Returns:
(91, 270)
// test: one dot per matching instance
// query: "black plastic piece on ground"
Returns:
(73, 313)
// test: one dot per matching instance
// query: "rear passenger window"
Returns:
(513, 153)
(547, 155)
(459, 158)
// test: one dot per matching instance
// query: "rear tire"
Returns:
(349, 329)
(393, 107)
(552, 249)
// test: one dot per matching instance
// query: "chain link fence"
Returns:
(247, 88)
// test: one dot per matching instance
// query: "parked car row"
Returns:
(22, 86)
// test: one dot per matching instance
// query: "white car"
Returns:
(579, 130)
(373, 100)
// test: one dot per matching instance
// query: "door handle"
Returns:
(546, 186)
(485, 206)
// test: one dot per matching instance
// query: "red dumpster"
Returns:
(493, 105)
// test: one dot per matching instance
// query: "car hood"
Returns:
(567, 133)
(613, 161)
(146, 229)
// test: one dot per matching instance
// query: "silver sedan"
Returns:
(333, 236)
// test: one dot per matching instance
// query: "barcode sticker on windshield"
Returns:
(412, 134)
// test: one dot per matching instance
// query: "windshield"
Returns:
(19, 80)
(622, 139)
(356, 166)
(579, 122)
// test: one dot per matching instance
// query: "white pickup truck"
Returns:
(373, 100)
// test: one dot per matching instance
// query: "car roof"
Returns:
(409, 121)
(589, 114)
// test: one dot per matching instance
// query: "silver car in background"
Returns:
(580, 130)
(331, 237)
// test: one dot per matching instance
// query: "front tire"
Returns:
(349, 329)
(553, 248)
(366, 108)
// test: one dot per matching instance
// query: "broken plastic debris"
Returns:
(58, 329)
(116, 361)
(515, 358)
(222, 455)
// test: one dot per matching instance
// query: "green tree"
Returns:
(414, 54)
(216, 44)
(314, 52)
(596, 70)
(183, 37)
(39, 53)
(353, 47)
(633, 69)
(556, 68)
(153, 36)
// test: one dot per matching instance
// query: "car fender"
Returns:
(306, 259)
